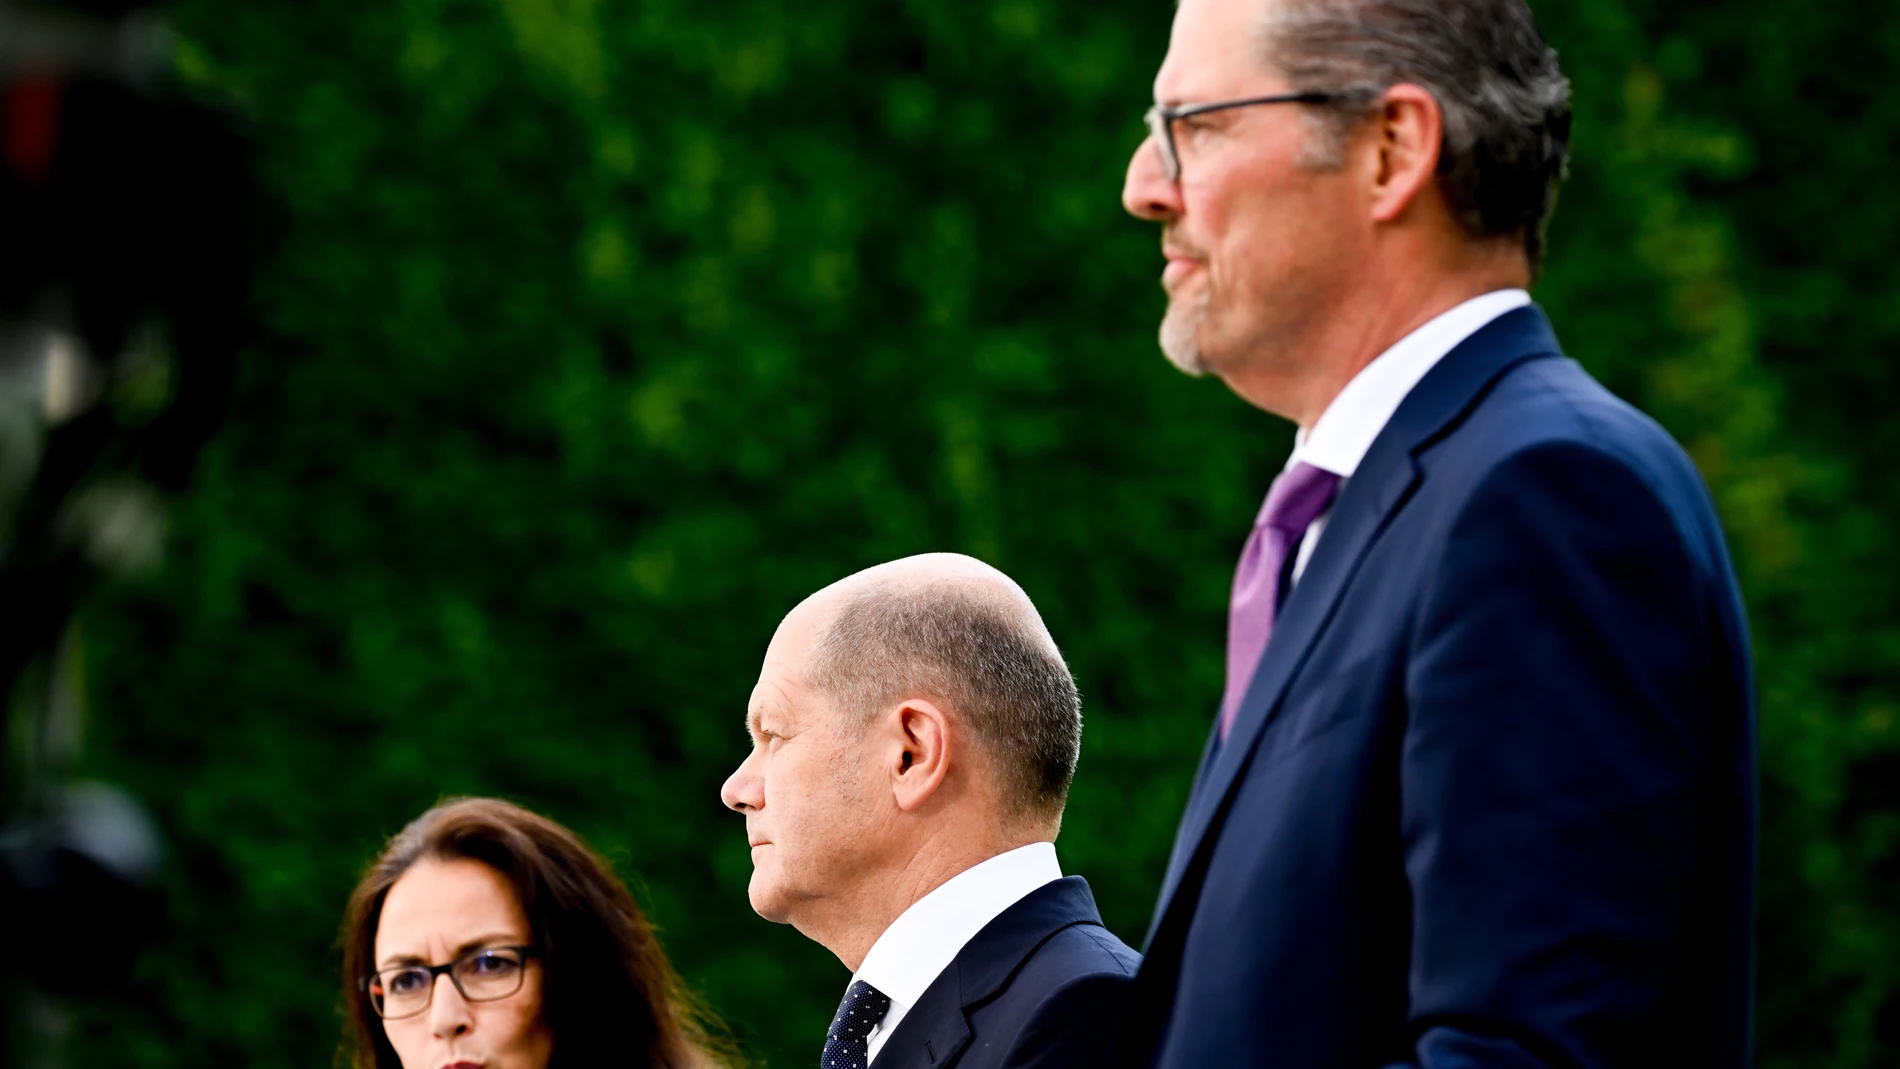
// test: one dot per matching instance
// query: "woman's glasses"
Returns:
(480, 975)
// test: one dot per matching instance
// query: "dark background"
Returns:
(593, 334)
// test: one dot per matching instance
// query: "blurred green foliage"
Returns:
(596, 333)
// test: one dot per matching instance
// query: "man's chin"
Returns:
(766, 899)
(1180, 335)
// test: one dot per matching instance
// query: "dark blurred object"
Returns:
(71, 870)
(122, 281)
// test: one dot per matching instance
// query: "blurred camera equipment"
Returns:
(122, 289)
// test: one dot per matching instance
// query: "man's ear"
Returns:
(926, 741)
(1408, 131)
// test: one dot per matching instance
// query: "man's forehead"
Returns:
(1213, 52)
(771, 697)
(782, 675)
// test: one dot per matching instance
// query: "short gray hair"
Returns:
(984, 657)
(1506, 104)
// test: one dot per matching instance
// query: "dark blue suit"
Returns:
(1490, 798)
(1041, 985)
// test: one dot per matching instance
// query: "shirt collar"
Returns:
(1343, 433)
(928, 936)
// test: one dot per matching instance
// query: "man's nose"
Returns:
(745, 788)
(1146, 192)
(448, 1010)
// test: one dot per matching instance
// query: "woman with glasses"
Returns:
(488, 937)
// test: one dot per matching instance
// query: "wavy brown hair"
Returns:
(610, 996)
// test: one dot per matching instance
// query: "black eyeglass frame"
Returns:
(1161, 117)
(435, 972)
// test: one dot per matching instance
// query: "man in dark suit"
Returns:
(914, 731)
(1481, 789)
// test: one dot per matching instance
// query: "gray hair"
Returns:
(986, 658)
(1506, 104)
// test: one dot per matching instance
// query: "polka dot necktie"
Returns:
(863, 1007)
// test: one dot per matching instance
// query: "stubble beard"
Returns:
(1180, 332)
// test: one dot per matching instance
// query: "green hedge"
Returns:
(594, 334)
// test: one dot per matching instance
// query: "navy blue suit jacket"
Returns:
(1490, 798)
(1041, 985)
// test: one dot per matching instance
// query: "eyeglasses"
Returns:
(480, 975)
(1161, 117)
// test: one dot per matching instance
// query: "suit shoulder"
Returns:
(1553, 407)
(1054, 1011)
(1556, 400)
(1080, 952)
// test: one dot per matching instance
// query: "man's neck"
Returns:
(1375, 318)
(851, 929)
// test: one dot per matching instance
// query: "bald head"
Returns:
(958, 632)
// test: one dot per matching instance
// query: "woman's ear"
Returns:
(921, 759)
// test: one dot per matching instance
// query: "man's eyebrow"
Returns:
(769, 700)
(1218, 115)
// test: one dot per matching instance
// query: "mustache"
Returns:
(1175, 244)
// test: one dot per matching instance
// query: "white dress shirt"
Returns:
(928, 936)
(1340, 437)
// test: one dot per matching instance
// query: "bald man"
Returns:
(914, 730)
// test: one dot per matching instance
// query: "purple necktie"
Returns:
(1297, 497)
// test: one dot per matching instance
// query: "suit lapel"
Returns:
(937, 1028)
(1385, 479)
(934, 1031)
